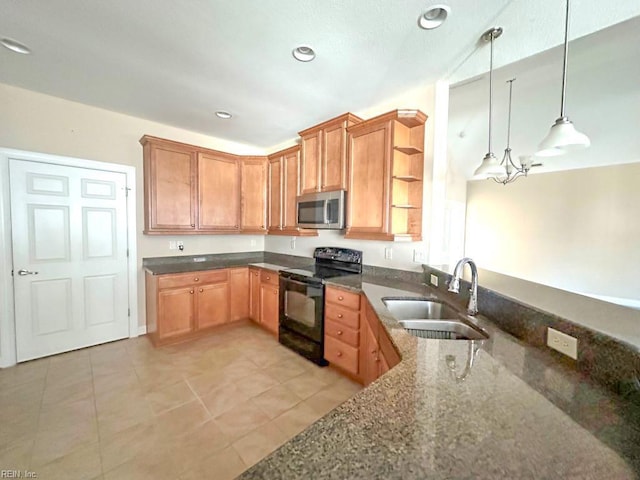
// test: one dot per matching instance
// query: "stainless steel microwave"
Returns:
(321, 210)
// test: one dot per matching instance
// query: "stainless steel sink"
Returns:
(443, 329)
(432, 319)
(418, 308)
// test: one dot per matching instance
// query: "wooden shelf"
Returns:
(409, 150)
(408, 207)
(407, 178)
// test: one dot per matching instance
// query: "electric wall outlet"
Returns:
(388, 253)
(563, 343)
(434, 280)
(418, 256)
(293, 243)
(180, 245)
(172, 245)
(253, 242)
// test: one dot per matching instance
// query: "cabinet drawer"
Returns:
(192, 278)
(342, 333)
(346, 299)
(270, 277)
(341, 354)
(343, 316)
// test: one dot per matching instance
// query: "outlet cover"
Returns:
(434, 280)
(418, 256)
(563, 343)
(172, 245)
(388, 253)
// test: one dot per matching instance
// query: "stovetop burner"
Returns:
(331, 262)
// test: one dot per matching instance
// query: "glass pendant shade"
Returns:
(562, 138)
(490, 167)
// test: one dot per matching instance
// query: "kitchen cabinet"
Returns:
(253, 188)
(238, 293)
(269, 301)
(386, 166)
(170, 202)
(185, 305)
(254, 294)
(355, 341)
(284, 188)
(324, 155)
(218, 193)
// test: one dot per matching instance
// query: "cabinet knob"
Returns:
(339, 354)
(193, 225)
(201, 290)
(340, 298)
(340, 315)
(373, 352)
(191, 292)
(196, 279)
(235, 226)
(268, 277)
(339, 332)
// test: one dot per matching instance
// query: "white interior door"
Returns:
(69, 237)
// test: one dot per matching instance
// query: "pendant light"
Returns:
(563, 136)
(490, 165)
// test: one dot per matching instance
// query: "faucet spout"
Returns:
(454, 285)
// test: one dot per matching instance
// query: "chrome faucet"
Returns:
(454, 285)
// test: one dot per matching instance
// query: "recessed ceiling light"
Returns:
(223, 114)
(303, 53)
(14, 46)
(434, 17)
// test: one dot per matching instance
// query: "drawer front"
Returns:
(341, 355)
(192, 278)
(270, 277)
(342, 333)
(346, 299)
(341, 315)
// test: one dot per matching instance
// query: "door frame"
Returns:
(8, 354)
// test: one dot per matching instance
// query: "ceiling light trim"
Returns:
(434, 17)
(223, 114)
(15, 46)
(304, 53)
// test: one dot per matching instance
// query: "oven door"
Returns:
(302, 307)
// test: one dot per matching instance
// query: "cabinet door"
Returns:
(254, 294)
(275, 194)
(219, 193)
(254, 195)
(310, 163)
(269, 307)
(369, 355)
(369, 160)
(170, 193)
(213, 304)
(239, 293)
(334, 158)
(291, 190)
(176, 312)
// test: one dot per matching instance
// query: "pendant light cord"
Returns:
(564, 63)
(510, 82)
(491, 91)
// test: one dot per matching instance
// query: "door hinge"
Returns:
(126, 191)
(127, 253)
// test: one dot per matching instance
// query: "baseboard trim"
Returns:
(142, 330)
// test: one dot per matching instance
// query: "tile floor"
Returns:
(125, 410)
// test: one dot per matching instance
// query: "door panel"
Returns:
(176, 311)
(213, 305)
(254, 195)
(219, 190)
(69, 232)
(310, 160)
(334, 161)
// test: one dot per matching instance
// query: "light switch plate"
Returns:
(563, 343)
(388, 253)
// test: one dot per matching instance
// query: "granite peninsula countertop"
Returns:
(515, 413)
(160, 266)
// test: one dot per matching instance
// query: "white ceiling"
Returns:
(178, 62)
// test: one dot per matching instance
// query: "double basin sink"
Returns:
(429, 318)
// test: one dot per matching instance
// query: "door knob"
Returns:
(22, 272)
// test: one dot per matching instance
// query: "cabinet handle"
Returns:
(191, 292)
(201, 290)
(339, 332)
(340, 298)
(339, 354)
(340, 315)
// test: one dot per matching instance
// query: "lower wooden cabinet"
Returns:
(254, 294)
(238, 293)
(176, 312)
(269, 307)
(355, 341)
(212, 305)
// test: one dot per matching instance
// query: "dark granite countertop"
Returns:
(515, 413)
(167, 265)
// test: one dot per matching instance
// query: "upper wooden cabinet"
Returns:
(218, 193)
(284, 187)
(386, 164)
(253, 188)
(169, 186)
(324, 155)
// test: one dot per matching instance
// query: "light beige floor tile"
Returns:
(209, 382)
(285, 370)
(305, 385)
(294, 421)
(256, 445)
(127, 444)
(80, 464)
(256, 383)
(21, 393)
(241, 419)
(182, 420)
(239, 368)
(51, 444)
(115, 382)
(118, 419)
(276, 401)
(24, 373)
(169, 397)
(223, 465)
(62, 394)
(150, 465)
(329, 398)
(224, 399)
(62, 415)
(16, 455)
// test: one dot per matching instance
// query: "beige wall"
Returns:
(576, 230)
(41, 123)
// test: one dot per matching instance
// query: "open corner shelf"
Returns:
(407, 178)
(407, 149)
(408, 207)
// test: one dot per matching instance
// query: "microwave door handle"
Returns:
(326, 212)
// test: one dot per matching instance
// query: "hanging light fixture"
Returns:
(563, 136)
(511, 172)
(490, 165)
